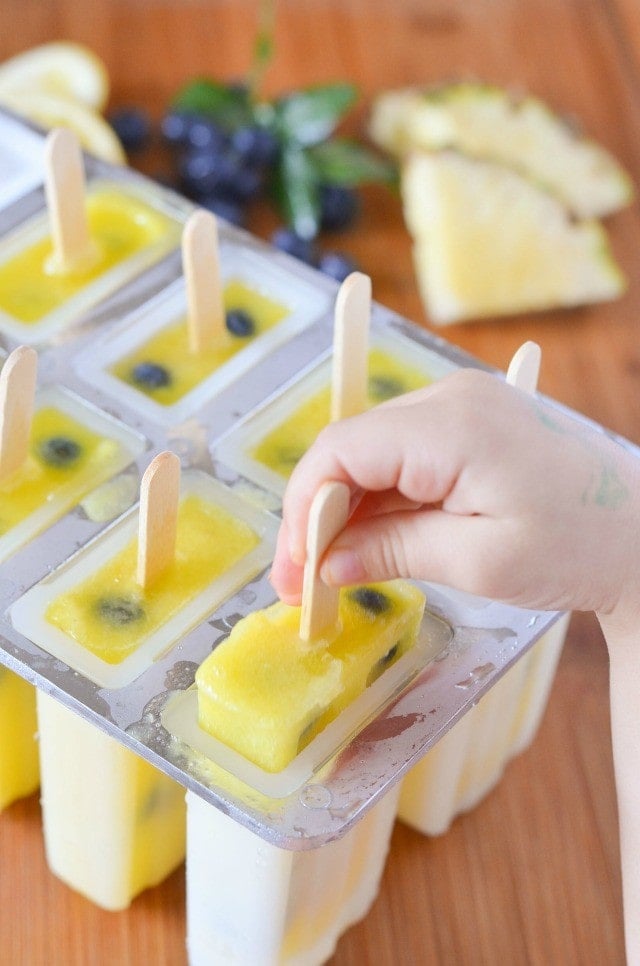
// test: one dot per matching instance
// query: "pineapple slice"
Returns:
(266, 694)
(488, 122)
(490, 242)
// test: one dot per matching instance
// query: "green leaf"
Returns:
(229, 106)
(308, 117)
(343, 161)
(296, 191)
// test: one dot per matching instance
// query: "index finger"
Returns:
(380, 450)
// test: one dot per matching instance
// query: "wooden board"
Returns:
(531, 876)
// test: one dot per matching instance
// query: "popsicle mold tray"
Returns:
(465, 644)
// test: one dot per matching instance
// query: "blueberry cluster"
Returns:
(225, 168)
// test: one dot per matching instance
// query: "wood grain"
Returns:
(531, 876)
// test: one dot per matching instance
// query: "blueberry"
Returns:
(256, 143)
(385, 387)
(389, 657)
(203, 172)
(288, 241)
(245, 184)
(133, 127)
(59, 450)
(338, 206)
(373, 601)
(289, 457)
(205, 135)
(385, 661)
(231, 211)
(175, 125)
(337, 265)
(119, 611)
(150, 375)
(240, 323)
(198, 172)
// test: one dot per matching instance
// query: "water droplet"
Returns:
(231, 620)
(315, 796)
(478, 674)
(248, 596)
(534, 620)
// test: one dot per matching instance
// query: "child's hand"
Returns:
(476, 485)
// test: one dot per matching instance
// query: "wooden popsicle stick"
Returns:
(17, 397)
(158, 520)
(206, 318)
(351, 347)
(328, 516)
(524, 367)
(65, 193)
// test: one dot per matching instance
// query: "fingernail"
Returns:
(297, 554)
(342, 567)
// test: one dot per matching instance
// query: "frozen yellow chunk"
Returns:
(110, 614)
(113, 824)
(266, 694)
(165, 369)
(19, 771)
(281, 448)
(120, 226)
(66, 460)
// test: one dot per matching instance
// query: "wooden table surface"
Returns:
(532, 874)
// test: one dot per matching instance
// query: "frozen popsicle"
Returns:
(113, 824)
(19, 771)
(321, 656)
(221, 320)
(266, 691)
(251, 903)
(50, 457)
(243, 681)
(456, 774)
(104, 619)
(57, 266)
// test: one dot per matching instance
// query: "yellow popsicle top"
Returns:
(283, 446)
(165, 369)
(120, 225)
(66, 460)
(266, 694)
(110, 614)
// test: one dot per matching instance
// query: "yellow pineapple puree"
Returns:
(281, 449)
(209, 542)
(170, 347)
(120, 225)
(38, 482)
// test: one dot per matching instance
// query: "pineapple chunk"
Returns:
(266, 694)
(490, 242)
(488, 122)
